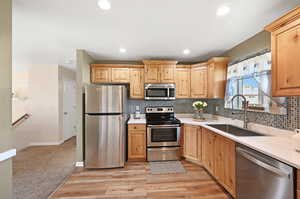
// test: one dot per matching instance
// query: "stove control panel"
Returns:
(165, 109)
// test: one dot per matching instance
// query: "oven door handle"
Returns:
(164, 126)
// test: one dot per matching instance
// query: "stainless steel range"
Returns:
(163, 134)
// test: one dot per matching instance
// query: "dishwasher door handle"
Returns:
(266, 166)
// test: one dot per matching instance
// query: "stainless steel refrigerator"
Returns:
(105, 125)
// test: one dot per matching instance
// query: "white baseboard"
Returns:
(7, 154)
(46, 143)
(79, 164)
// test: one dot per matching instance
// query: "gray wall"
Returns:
(249, 47)
(5, 97)
(83, 61)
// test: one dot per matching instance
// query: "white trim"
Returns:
(7, 154)
(46, 143)
(79, 164)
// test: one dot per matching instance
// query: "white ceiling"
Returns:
(49, 31)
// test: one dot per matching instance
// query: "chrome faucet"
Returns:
(245, 106)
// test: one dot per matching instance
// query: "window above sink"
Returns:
(252, 78)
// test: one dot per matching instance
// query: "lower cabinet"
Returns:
(192, 142)
(225, 163)
(215, 152)
(208, 150)
(136, 142)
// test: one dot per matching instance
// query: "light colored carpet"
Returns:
(38, 171)
(166, 167)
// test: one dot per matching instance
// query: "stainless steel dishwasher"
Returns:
(262, 177)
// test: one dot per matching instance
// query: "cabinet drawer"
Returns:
(137, 127)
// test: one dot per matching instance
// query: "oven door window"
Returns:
(164, 135)
(157, 92)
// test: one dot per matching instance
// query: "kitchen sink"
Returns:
(234, 130)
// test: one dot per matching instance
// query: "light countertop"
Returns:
(136, 121)
(277, 145)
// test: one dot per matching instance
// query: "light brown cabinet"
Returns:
(225, 163)
(120, 75)
(285, 42)
(208, 150)
(298, 184)
(167, 73)
(136, 142)
(158, 71)
(199, 82)
(137, 83)
(192, 142)
(152, 74)
(218, 157)
(216, 76)
(100, 74)
(183, 81)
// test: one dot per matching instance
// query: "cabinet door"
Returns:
(208, 150)
(136, 143)
(229, 166)
(199, 143)
(183, 82)
(167, 73)
(225, 163)
(199, 82)
(190, 142)
(219, 159)
(101, 75)
(137, 83)
(152, 74)
(286, 61)
(120, 75)
(210, 81)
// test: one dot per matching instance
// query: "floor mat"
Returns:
(166, 167)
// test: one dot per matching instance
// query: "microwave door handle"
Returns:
(168, 95)
(262, 164)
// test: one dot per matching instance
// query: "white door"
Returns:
(69, 108)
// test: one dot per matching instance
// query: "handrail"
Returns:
(22, 118)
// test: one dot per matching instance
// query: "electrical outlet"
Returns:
(297, 130)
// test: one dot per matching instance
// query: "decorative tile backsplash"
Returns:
(290, 121)
(180, 105)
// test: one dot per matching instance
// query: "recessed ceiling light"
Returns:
(223, 10)
(104, 4)
(123, 50)
(186, 51)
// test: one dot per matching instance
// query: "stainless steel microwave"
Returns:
(160, 91)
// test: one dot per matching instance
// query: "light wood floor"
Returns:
(134, 181)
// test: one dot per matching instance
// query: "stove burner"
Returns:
(161, 116)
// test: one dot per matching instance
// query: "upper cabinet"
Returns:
(100, 74)
(199, 81)
(137, 83)
(203, 80)
(216, 75)
(158, 71)
(285, 54)
(183, 81)
(120, 75)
